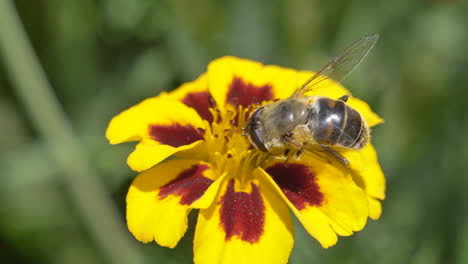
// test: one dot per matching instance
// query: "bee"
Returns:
(318, 125)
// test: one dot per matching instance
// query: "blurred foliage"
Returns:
(104, 56)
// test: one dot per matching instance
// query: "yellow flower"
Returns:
(245, 209)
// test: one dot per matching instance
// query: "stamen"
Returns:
(216, 114)
(230, 149)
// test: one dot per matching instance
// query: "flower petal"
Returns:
(326, 87)
(199, 85)
(317, 224)
(159, 199)
(149, 153)
(244, 226)
(375, 208)
(164, 126)
(244, 82)
(321, 196)
(162, 119)
(197, 96)
(366, 171)
(364, 109)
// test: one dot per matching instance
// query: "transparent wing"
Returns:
(322, 152)
(340, 66)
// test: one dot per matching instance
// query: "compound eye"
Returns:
(257, 113)
(256, 136)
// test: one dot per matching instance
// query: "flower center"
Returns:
(231, 151)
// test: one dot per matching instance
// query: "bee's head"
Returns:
(254, 130)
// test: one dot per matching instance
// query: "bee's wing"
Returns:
(322, 152)
(340, 66)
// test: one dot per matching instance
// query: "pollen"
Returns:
(231, 152)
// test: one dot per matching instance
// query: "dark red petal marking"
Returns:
(245, 94)
(298, 183)
(242, 214)
(175, 135)
(190, 185)
(201, 102)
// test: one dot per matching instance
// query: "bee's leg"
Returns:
(286, 154)
(299, 151)
(289, 154)
(336, 155)
(344, 98)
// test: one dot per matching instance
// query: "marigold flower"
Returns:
(245, 208)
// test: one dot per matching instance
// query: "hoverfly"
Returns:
(314, 124)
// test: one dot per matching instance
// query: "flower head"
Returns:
(244, 203)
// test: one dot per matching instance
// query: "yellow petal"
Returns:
(245, 226)
(159, 200)
(321, 195)
(165, 126)
(199, 85)
(375, 208)
(326, 87)
(210, 194)
(346, 204)
(149, 153)
(197, 96)
(366, 171)
(316, 223)
(135, 123)
(255, 82)
(364, 109)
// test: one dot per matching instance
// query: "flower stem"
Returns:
(34, 91)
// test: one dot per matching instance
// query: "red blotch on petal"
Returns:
(190, 185)
(298, 183)
(246, 94)
(175, 135)
(201, 102)
(242, 214)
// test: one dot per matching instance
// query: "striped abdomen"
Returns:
(334, 123)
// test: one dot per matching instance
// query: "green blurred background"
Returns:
(63, 186)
